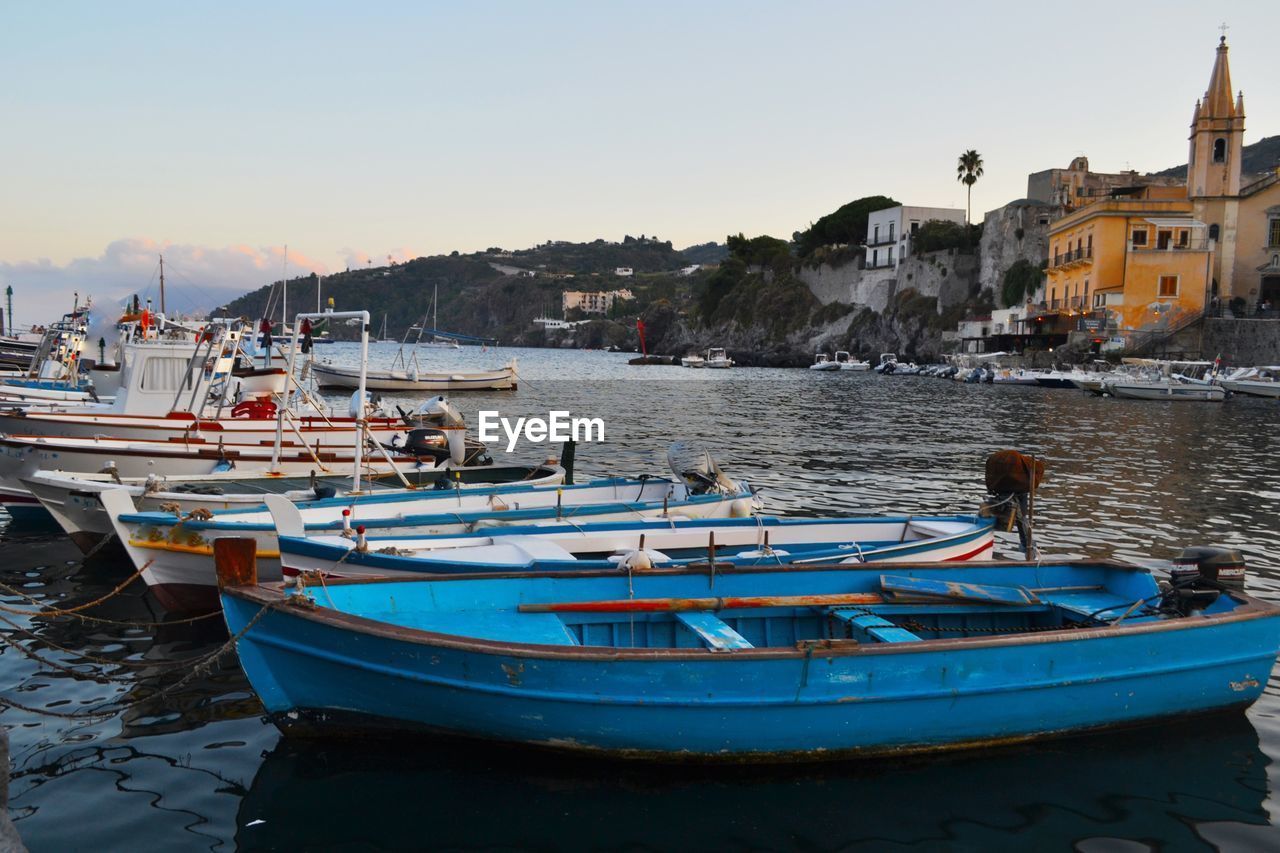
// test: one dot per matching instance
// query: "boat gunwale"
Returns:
(273, 595)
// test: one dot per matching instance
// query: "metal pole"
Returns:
(361, 422)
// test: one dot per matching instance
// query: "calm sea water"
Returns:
(199, 768)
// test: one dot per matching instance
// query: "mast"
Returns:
(319, 278)
(284, 290)
(162, 284)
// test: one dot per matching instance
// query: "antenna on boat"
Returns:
(162, 284)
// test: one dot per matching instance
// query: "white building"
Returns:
(624, 271)
(593, 301)
(889, 231)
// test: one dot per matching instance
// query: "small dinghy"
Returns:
(750, 663)
(415, 379)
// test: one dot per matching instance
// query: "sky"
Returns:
(220, 132)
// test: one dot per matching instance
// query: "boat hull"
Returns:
(1253, 388)
(314, 670)
(1168, 393)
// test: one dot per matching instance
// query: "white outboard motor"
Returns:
(438, 411)
(457, 436)
(355, 408)
(696, 468)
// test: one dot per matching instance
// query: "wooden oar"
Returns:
(675, 605)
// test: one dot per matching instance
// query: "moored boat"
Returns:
(414, 379)
(822, 361)
(750, 663)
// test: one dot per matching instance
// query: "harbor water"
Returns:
(186, 761)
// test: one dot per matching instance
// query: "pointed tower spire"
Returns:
(1195, 116)
(1217, 100)
(1240, 104)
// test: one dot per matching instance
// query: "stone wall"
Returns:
(1242, 342)
(1002, 246)
(946, 275)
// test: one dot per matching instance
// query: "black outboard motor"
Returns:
(1208, 567)
(426, 441)
(1199, 575)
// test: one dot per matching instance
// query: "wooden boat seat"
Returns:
(1090, 603)
(871, 626)
(713, 630)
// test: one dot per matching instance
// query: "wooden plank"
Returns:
(955, 590)
(876, 627)
(714, 631)
(679, 605)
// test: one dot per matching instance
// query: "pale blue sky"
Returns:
(225, 130)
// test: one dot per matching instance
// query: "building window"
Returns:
(891, 224)
(875, 238)
(1273, 233)
(915, 226)
(1163, 239)
(1184, 238)
(1219, 150)
(1167, 286)
(875, 257)
(1044, 220)
(1099, 299)
(1213, 232)
(1139, 236)
(890, 260)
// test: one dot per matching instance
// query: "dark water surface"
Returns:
(198, 767)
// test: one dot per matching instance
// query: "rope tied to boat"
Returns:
(67, 611)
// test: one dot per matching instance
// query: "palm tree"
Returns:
(968, 171)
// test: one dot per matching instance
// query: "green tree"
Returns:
(1021, 281)
(847, 224)
(968, 170)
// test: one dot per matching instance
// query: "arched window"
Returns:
(1219, 150)
(1213, 231)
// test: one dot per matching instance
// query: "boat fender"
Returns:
(639, 560)
(742, 508)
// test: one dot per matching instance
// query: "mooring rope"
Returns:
(67, 611)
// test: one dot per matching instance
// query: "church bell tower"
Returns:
(1217, 136)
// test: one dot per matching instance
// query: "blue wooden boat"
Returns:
(749, 663)
(641, 544)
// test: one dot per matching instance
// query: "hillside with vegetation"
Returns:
(495, 294)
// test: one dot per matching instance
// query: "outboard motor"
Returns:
(696, 468)
(427, 441)
(437, 412)
(1208, 567)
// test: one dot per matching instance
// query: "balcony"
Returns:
(873, 241)
(1067, 259)
(1198, 245)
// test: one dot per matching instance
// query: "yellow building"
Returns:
(1152, 258)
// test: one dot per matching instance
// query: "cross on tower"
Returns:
(1223, 29)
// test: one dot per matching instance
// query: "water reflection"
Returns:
(451, 795)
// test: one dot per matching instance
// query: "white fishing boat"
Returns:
(694, 361)
(177, 552)
(503, 378)
(718, 359)
(821, 361)
(438, 440)
(848, 362)
(886, 359)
